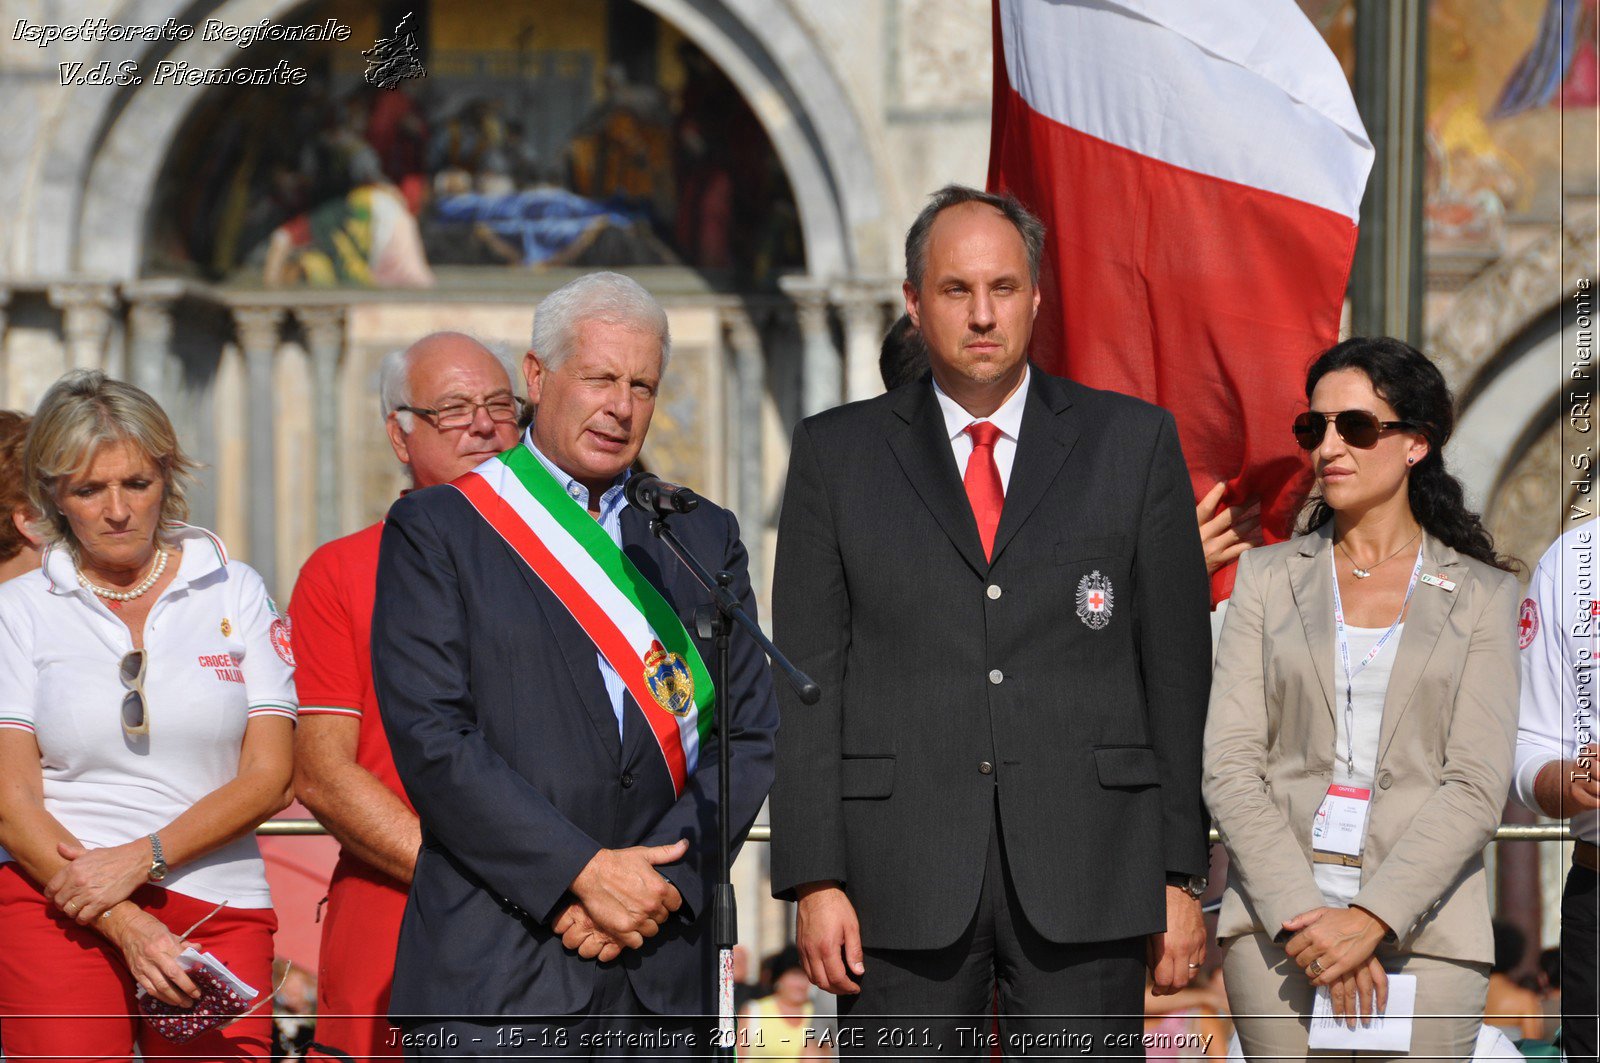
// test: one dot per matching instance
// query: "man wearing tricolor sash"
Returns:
(551, 719)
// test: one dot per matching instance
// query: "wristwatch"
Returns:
(1193, 885)
(158, 862)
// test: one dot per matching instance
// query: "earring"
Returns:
(1411, 461)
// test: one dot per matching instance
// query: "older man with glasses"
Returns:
(447, 405)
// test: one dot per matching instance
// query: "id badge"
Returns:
(1341, 823)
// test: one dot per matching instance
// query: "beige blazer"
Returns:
(1444, 747)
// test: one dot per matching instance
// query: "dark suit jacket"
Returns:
(506, 742)
(948, 680)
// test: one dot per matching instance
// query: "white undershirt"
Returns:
(1008, 418)
(1339, 885)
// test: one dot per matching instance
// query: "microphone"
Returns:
(655, 496)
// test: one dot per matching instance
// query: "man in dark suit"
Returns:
(996, 578)
(567, 799)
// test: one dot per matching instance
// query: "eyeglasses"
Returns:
(135, 717)
(502, 409)
(1356, 427)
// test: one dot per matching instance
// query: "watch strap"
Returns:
(158, 859)
(1193, 885)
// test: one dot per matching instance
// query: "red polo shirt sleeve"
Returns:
(332, 615)
(329, 667)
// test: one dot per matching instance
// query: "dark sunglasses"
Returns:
(135, 716)
(1358, 428)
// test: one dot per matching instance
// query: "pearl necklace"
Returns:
(126, 596)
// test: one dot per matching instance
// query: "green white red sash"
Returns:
(631, 625)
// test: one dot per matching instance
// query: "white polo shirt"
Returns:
(218, 654)
(1557, 632)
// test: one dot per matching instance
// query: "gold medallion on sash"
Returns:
(669, 679)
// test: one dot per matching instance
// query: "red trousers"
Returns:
(360, 929)
(66, 994)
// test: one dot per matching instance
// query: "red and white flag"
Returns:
(1200, 167)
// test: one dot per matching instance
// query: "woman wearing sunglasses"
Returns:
(1363, 717)
(146, 722)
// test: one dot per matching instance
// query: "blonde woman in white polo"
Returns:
(146, 724)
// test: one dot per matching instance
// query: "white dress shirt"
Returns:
(612, 503)
(1008, 418)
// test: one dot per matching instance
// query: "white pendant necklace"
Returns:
(145, 584)
(1362, 573)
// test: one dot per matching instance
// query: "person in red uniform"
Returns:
(448, 405)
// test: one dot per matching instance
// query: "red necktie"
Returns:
(983, 483)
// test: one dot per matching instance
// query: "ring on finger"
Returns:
(1315, 969)
(73, 906)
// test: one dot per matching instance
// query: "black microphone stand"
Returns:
(716, 621)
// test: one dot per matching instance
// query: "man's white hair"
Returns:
(601, 296)
(394, 375)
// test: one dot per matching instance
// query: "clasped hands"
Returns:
(93, 883)
(93, 880)
(1335, 946)
(622, 899)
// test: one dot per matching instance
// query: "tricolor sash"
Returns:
(631, 624)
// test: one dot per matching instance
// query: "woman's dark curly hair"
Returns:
(1405, 379)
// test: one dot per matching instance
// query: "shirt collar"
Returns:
(611, 501)
(1008, 418)
(203, 554)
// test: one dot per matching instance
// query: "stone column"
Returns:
(86, 311)
(153, 363)
(257, 330)
(150, 347)
(324, 332)
(820, 372)
(750, 384)
(1386, 281)
(862, 305)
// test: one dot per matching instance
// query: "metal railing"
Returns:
(1551, 832)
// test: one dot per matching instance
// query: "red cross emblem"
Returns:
(1527, 623)
(1095, 599)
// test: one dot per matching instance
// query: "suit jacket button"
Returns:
(993, 592)
(996, 676)
(1385, 780)
(627, 779)
(986, 768)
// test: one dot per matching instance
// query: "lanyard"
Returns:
(1344, 652)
